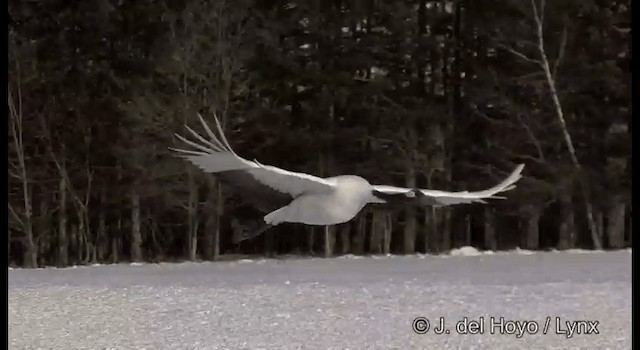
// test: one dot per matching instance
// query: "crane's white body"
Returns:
(350, 194)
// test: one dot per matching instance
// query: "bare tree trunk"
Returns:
(16, 122)
(192, 217)
(445, 243)
(94, 254)
(31, 252)
(374, 230)
(83, 207)
(218, 215)
(377, 231)
(329, 240)
(193, 247)
(63, 243)
(467, 230)
(102, 228)
(214, 209)
(210, 222)
(615, 223)
(543, 62)
(44, 231)
(89, 239)
(154, 230)
(567, 234)
(532, 215)
(490, 239)
(410, 214)
(388, 228)
(359, 237)
(115, 244)
(330, 232)
(136, 234)
(73, 243)
(269, 244)
(599, 218)
(115, 249)
(345, 237)
(84, 245)
(79, 246)
(430, 229)
(431, 225)
(445, 212)
(81, 237)
(311, 237)
(102, 234)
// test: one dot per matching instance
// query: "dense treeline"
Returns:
(439, 94)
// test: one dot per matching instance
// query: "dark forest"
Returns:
(442, 94)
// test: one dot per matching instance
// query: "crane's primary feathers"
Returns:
(298, 197)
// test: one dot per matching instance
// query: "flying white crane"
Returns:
(296, 197)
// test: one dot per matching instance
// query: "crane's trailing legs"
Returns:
(243, 233)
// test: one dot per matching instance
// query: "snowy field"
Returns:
(341, 303)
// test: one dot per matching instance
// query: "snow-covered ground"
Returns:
(342, 303)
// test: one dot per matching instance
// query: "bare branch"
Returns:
(12, 165)
(485, 117)
(87, 197)
(528, 76)
(15, 175)
(390, 100)
(533, 138)
(521, 55)
(61, 169)
(16, 120)
(563, 44)
(538, 17)
(15, 215)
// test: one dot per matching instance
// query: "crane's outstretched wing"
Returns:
(441, 198)
(216, 156)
